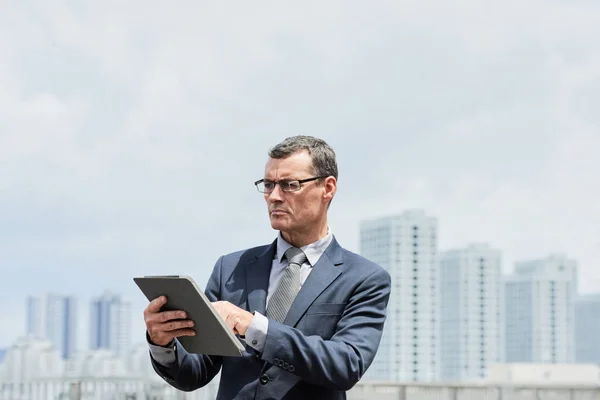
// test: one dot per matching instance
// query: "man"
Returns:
(311, 313)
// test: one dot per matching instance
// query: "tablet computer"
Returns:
(213, 336)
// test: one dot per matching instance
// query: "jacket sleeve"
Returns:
(193, 371)
(341, 361)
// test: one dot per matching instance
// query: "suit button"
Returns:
(264, 379)
(291, 368)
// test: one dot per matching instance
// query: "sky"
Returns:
(131, 132)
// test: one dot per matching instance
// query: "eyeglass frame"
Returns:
(300, 182)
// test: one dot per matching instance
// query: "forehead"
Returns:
(298, 165)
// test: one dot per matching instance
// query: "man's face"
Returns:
(296, 211)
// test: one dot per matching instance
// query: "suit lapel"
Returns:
(257, 279)
(324, 272)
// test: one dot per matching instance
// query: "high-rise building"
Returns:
(35, 317)
(53, 317)
(470, 311)
(540, 310)
(110, 326)
(587, 329)
(406, 246)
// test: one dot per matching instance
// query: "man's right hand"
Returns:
(164, 326)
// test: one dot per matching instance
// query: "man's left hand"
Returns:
(236, 318)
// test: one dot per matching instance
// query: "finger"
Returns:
(219, 307)
(230, 321)
(178, 333)
(172, 326)
(156, 304)
(171, 315)
(162, 339)
(236, 325)
(165, 316)
(184, 332)
(241, 325)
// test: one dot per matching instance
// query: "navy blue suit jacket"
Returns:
(326, 343)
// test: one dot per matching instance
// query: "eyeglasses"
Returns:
(267, 186)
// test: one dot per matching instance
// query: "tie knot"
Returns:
(295, 255)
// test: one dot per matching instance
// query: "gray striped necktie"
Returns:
(289, 286)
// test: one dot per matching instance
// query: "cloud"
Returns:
(130, 134)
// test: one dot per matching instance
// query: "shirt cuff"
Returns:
(256, 333)
(164, 355)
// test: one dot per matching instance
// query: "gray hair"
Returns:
(323, 156)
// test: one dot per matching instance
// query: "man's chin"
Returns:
(278, 224)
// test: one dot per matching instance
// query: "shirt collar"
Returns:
(313, 251)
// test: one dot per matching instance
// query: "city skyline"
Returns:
(454, 312)
(84, 329)
(107, 322)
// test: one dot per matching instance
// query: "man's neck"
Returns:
(300, 239)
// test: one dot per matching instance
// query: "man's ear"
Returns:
(330, 185)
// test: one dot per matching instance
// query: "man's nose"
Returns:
(276, 194)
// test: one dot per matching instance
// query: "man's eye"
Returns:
(293, 185)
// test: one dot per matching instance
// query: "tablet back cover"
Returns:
(212, 335)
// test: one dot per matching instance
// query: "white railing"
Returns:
(149, 389)
(398, 391)
(99, 389)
